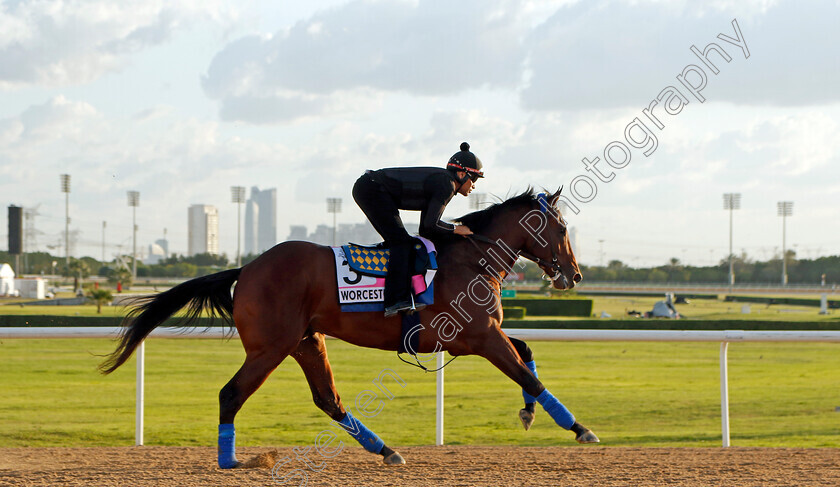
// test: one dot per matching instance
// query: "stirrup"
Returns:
(398, 308)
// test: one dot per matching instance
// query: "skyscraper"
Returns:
(260, 220)
(203, 230)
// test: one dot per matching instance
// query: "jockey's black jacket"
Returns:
(424, 189)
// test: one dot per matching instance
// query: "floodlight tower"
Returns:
(237, 195)
(784, 209)
(334, 207)
(731, 202)
(134, 202)
(65, 188)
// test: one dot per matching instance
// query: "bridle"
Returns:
(542, 263)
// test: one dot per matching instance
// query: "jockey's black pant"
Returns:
(384, 215)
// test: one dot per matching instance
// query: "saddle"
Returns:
(361, 270)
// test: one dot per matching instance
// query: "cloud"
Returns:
(59, 43)
(781, 150)
(423, 48)
(287, 106)
(59, 122)
(617, 54)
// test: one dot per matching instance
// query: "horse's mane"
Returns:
(479, 220)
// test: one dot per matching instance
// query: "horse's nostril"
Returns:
(577, 277)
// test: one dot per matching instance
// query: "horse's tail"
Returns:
(211, 293)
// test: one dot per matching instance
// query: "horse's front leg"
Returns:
(527, 413)
(499, 350)
(311, 355)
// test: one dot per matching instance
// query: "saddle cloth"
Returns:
(361, 270)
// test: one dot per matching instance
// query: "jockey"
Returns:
(381, 194)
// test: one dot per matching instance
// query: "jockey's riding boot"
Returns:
(397, 282)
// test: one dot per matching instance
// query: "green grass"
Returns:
(630, 394)
(711, 309)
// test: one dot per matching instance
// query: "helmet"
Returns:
(464, 160)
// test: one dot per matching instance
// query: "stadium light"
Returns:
(134, 202)
(784, 209)
(731, 202)
(334, 207)
(65, 188)
(237, 195)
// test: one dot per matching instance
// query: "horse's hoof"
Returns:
(587, 437)
(527, 418)
(393, 459)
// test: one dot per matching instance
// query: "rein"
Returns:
(553, 265)
(421, 366)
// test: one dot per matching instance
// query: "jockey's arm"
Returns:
(431, 224)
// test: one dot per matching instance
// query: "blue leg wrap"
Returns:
(362, 434)
(556, 410)
(227, 446)
(529, 398)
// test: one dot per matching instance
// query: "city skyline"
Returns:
(322, 234)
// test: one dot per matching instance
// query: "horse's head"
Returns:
(531, 225)
(548, 243)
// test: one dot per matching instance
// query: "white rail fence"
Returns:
(724, 337)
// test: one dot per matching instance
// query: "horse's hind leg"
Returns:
(258, 365)
(311, 354)
(499, 350)
(526, 414)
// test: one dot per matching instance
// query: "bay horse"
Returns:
(285, 302)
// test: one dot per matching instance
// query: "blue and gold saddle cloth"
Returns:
(361, 270)
(371, 261)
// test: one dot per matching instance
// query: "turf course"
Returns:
(630, 394)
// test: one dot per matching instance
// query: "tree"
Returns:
(79, 270)
(657, 275)
(121, 274)
(100, 297)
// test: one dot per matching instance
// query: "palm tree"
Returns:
(79, 270)
(100, 297)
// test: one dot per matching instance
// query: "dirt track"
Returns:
(427, 466)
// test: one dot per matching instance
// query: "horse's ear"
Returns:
(556, 196)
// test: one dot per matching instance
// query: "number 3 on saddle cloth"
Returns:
(361, 270)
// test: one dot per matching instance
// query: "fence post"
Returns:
(439, 400)
(724, 394)
(138, 407)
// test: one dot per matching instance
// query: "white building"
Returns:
(34, 288)
(156, 254)
(7, 280)
(203, 230)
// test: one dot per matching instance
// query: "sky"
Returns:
(180, 100)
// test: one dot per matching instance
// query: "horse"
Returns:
(285, 302)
